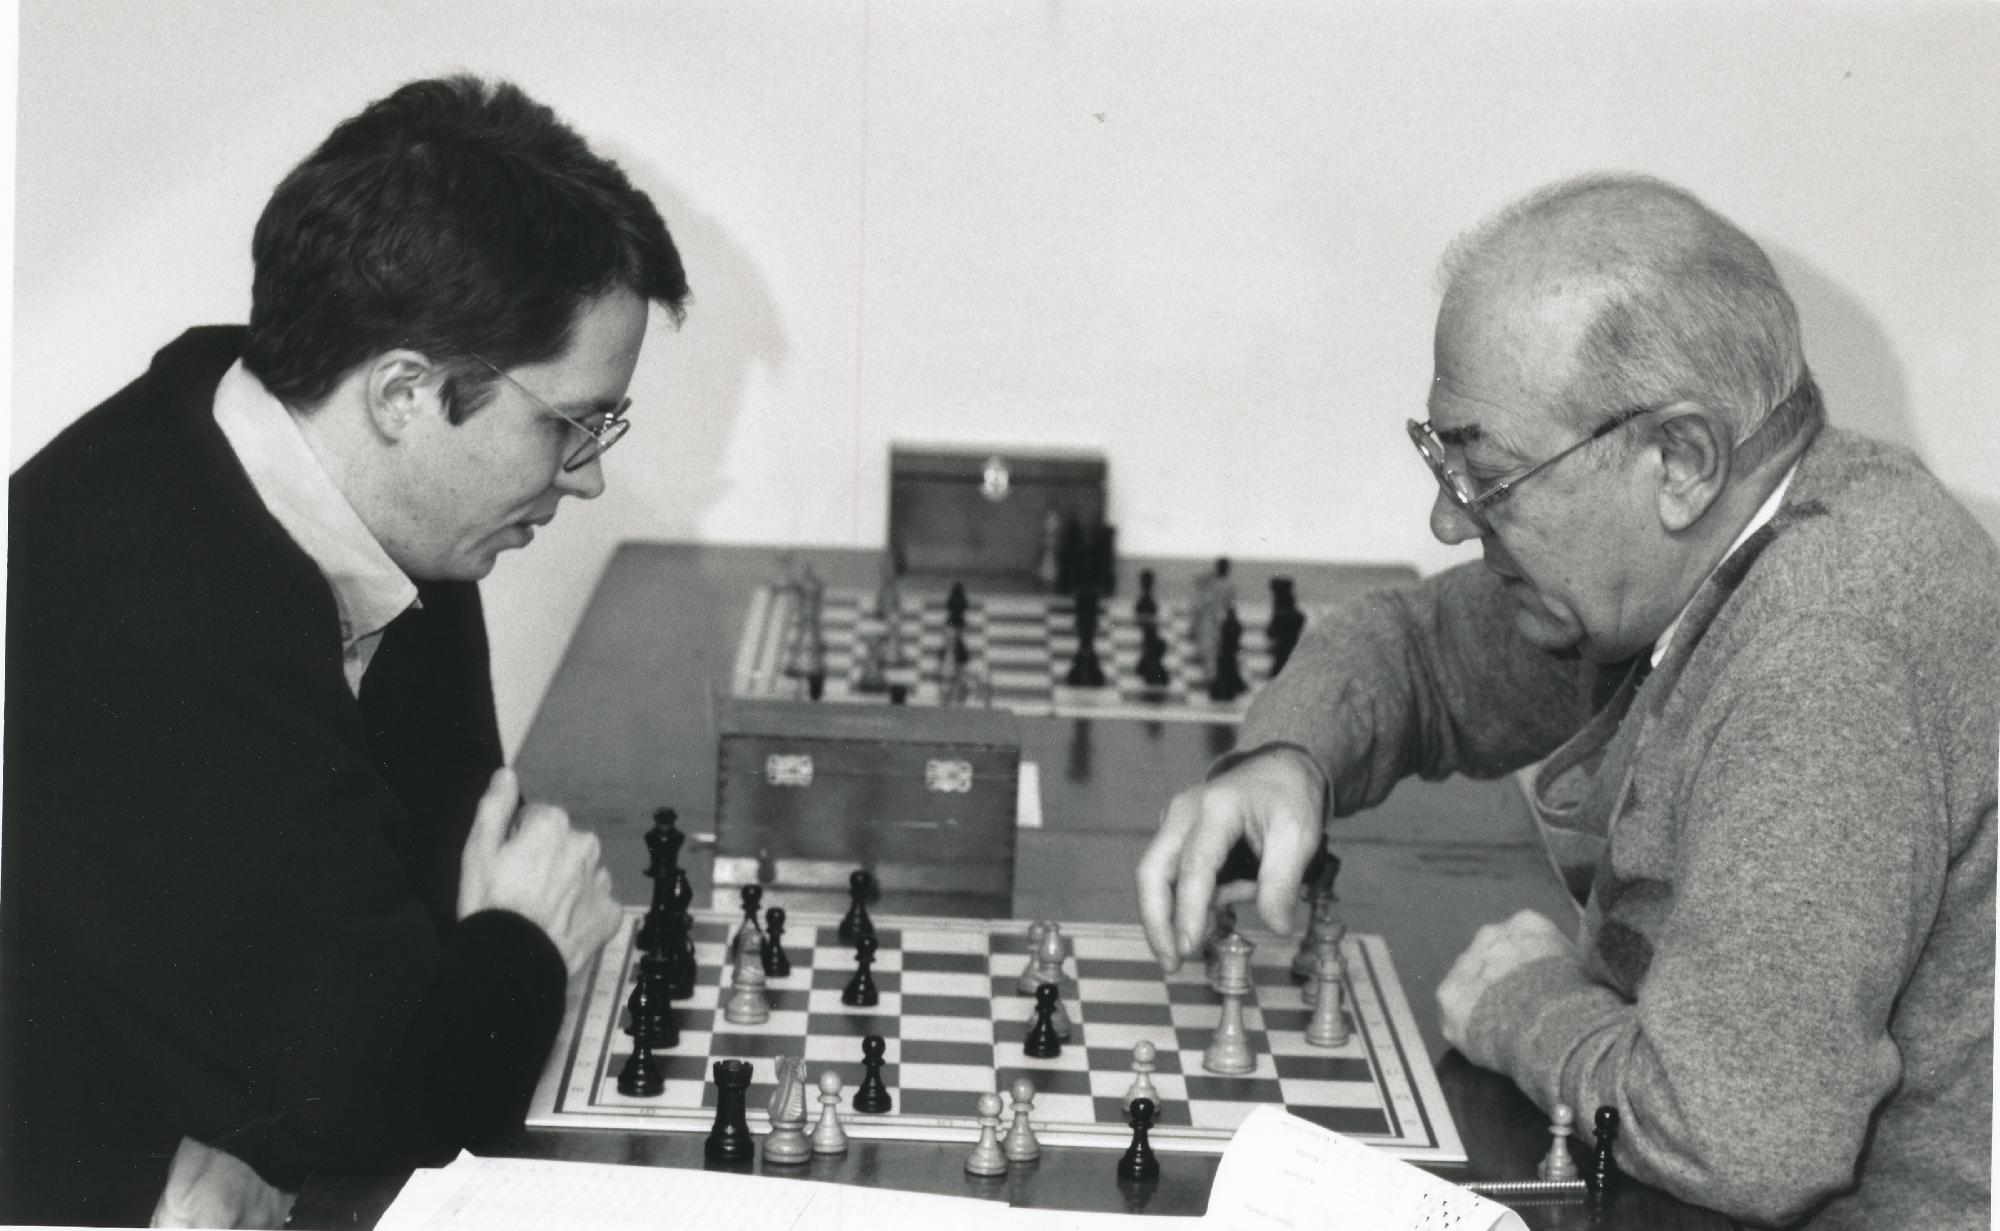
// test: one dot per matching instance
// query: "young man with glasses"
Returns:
(1758, 662)
(272, 903)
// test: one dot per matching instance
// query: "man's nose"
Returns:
(1450, 524)
(586, 482)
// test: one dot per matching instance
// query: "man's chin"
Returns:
(1547, 631)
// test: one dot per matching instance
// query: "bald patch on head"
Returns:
(1658, 297)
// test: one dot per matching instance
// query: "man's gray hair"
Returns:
(1683, 304)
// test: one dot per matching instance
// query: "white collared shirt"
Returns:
(1765, 512)
(368, 589)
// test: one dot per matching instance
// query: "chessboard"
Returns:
(1021, 647)
(954, 1023)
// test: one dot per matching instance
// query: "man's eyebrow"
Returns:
(583, 408)
(1468, 434)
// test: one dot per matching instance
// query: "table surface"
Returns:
(628, 725)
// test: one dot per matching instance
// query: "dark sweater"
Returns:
(229, 896)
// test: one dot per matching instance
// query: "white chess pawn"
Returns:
(1558, 1165)
(828, 1136)
(1144, 1060)
(1031, 975)
(1022, 1145)
(747, 1004)
(987, 1158)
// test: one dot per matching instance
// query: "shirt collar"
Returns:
(368, 588)
(1765, 512)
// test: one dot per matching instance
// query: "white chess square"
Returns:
(965, 1077)
(1063, 1109)
(1209, 1016)
(1121, 991)
(1332, 1093)
(1123, 1035)
(1293, 1043)
(945, 983)
(941, 940)
(1216, 1113)
(947, 1029)
(789, 1022)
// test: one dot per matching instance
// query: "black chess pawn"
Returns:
(777, 963)
(1152, 666)
(815, 684)
(1227, 683)
(1043, 1042)
(730, 1141)
(1086, 670)
(1602, 1178)
(860, 887)
(1137, 1165)
(871, 1097)
(641, 1077)
(955, 604)
(1146, 608)
(860, 991)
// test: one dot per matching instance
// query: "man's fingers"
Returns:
(1289, 843)
(495, 810)
(1157, 869)
(1219, 825)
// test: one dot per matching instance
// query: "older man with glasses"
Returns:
(272, 903)
(1758, 662)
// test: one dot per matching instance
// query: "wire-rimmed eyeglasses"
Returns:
(1459, 488)
(597, 440)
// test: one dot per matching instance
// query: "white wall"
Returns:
(1197, 236)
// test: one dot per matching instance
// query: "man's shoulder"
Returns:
(138, 514)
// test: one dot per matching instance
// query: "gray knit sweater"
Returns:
(1786, 971)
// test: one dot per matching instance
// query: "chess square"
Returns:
(963, 1053)
(949, 1030)
(973, 987)
(1362, 1122)
(940, 946)
(1120, 991)
(853, 1024)
(959, 1077)
(1050, 1079)
(1132, 1020)
(773, 1038)
(836, 952)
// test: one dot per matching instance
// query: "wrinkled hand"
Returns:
(1496, 951)
(545, 870)
(1273, 799)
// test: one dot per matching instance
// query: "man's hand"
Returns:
(1497, 950)
(1273, 799)
(545, 871)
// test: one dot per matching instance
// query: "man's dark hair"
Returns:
(455, 217)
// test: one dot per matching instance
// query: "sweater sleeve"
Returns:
(1430, 678)
(1813, 855)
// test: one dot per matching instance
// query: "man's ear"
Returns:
(399, 387)
(1694, 446)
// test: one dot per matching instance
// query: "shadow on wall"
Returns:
(695, 382)
(1857, 368)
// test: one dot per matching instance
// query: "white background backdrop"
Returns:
(1198, 237)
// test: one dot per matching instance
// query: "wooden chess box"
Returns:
(925, 798)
